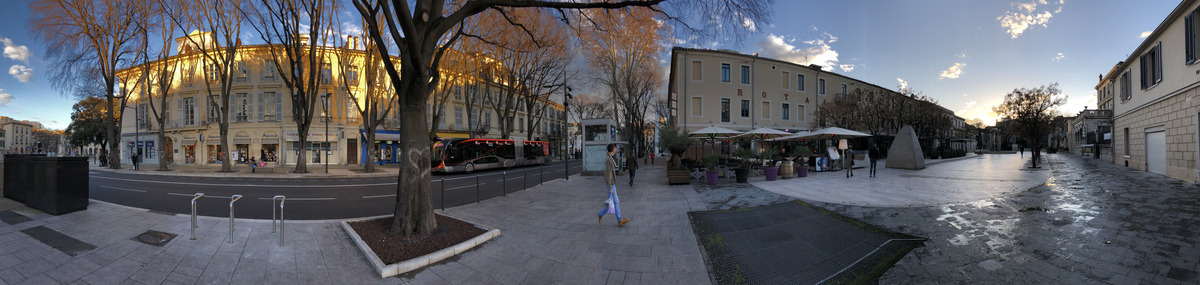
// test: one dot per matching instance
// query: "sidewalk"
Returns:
(549, 235)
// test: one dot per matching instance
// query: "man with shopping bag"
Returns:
(613, 204)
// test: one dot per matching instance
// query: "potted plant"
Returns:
(770, 170)
(710, 162)
(675, 141)
(802, 161)
(742, 173)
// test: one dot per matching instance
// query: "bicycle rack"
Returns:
(194, 225)
(232, 199)
(281, 199)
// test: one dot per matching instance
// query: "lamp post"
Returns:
(325, 116)
(566, 108)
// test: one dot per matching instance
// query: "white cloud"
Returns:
(903, 84)
(818, 51)
(14, 51)
(5, 98)
(1026, 16)
(749, 24)
(953, 72)
(20, 72)
(350, 29)
(1146, 34)
(961, 55)
(1060, 57)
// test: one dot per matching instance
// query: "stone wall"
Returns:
(1177, 115)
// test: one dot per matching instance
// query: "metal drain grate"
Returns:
(155, 238)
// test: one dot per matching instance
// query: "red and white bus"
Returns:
(467, 155)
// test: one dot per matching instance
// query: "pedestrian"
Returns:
(613, 204)
(1022, 148)
(103, 159)
(134, 158)
(632, 165)
(874, 156)
(253, 165)
(849, 162)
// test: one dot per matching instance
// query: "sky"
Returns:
(965, 54)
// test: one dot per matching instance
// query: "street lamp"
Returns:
(566, 100)
(325, 116)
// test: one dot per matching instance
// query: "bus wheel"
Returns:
(470, 167)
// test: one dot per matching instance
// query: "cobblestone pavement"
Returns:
(1091, 223)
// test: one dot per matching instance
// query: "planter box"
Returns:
(389, 270)
(677, 177)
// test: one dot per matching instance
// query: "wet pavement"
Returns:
(1091, 222)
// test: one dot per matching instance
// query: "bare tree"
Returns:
(362, 80)
(1031, 110)
(217, 48)
(420, 30)
(162, 73)
(623, 53)
(297, 33)
(87, 42)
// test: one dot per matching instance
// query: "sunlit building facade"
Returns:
(261, 123)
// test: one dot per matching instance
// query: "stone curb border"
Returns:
(389, 270)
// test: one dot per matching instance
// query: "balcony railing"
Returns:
(1097, 113)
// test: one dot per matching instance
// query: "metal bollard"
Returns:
(476, 188)
(443, 183)
(541, 174)
(194, 225)
(232, 199)
(504, 184)
(281, 199)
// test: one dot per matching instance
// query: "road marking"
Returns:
(459, 187)
(123, 189)
(249, 185)
(181, 194)
(302, 199)
(379, 196)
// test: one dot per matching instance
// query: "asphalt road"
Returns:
(308, 198)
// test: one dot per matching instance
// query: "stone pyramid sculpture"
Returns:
(905, 152)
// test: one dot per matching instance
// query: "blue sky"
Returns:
(959, 52)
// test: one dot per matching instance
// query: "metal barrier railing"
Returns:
(194, 225)
(281, 199)
(232, 199)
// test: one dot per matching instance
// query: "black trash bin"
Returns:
(60, 185)
(18, 168)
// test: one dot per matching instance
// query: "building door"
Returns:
(351, 152)
(1156, 152)
(169, 150)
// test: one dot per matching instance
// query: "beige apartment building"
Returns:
(261, 125)
(16, 137)
(1157, 99)
(743, 92)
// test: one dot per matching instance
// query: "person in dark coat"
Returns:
(874, 156)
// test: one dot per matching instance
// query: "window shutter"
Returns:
(1189, 35)
(260, 106)
(1142, 70)
(278, 107)
(1158, 72)
(250, 109)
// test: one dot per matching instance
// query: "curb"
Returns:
(389, 270)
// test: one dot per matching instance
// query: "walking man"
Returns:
(874, 156)
(849, 162)
(632, 165)
(610, 182)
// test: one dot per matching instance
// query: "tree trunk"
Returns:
(301, 158)
(414, 208)
(114, 139)
(226, 164)
(162, 139)
(369, 162)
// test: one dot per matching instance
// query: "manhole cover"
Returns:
(155, 238)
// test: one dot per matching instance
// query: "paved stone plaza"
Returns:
(1085, 222)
